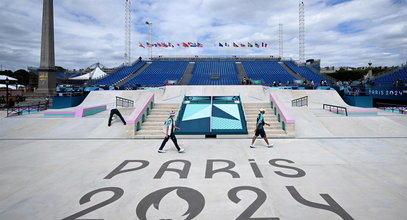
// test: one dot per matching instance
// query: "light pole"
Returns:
(7, 82)
(150, 34)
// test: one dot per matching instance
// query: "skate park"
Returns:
(87, 144)
(51, 161)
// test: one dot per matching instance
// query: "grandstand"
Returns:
(214, 73)
(120, 74)
(206, 71)
(305, 72)
(159, 72)
(268, 71)
(64, 76)
(391, 78)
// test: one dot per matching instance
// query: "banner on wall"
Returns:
(388, 92)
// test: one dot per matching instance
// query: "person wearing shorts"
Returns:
(259, 130)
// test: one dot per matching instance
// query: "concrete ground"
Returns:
(47, 179)
(78, 168)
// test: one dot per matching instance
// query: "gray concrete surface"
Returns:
(56, 168)
(45, 179)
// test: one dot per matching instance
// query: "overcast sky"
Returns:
(339, 32)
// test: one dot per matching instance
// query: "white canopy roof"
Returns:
(11, 87)
(3, 77)
(97, 73)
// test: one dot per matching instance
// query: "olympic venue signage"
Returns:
(396, 93)
(195, 199)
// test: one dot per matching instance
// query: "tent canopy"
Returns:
(3, 77)
(11, 87)
(97, 73)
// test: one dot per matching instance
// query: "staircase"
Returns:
(131, 76)
(290, 71)
(252, 111)
(153, 126)
(188, 74)
(241, 73)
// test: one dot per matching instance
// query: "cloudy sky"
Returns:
(339, 32)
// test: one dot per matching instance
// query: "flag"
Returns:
(178, 45)
(169, 44)
(159, 45)
(227, 45)
(235, 45)
(262, 44)
(141, 45)
(192, 45)
(185, 44)
(149, 45)
(200, 45)
(265, 45)
(220, 45)
(256, 45)
(164, 44)
(242, 45)
(155, 45)
(249, 44)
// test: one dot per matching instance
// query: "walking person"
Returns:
(259, 130)
(115, 112)
(169, 133)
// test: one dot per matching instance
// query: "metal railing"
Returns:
(303, 101)
(123, 102)
(26, 109)
(337, 108)
(402, 109)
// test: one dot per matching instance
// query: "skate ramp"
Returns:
(313, 121)
(39, 127)
(109, 97)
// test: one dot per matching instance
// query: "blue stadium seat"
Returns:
(268, 71)
(120, 74)
(390, 79)
(159, 72)
(65, 75)
(305, 72)
(203, 70)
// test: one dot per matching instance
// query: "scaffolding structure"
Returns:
(301, 33)
(127, 33)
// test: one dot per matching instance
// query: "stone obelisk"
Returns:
(46, 79)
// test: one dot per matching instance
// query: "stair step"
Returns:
(162, 105)
(163, 109)
(162, 120)
(257, 107)
(256, 115)
(271, 123)
(257, 111)
(150, 132)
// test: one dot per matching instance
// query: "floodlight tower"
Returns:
(280, 40)
(127, 33)
(301, 33)
(150, 36)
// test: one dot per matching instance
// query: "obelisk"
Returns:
(46, 79)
